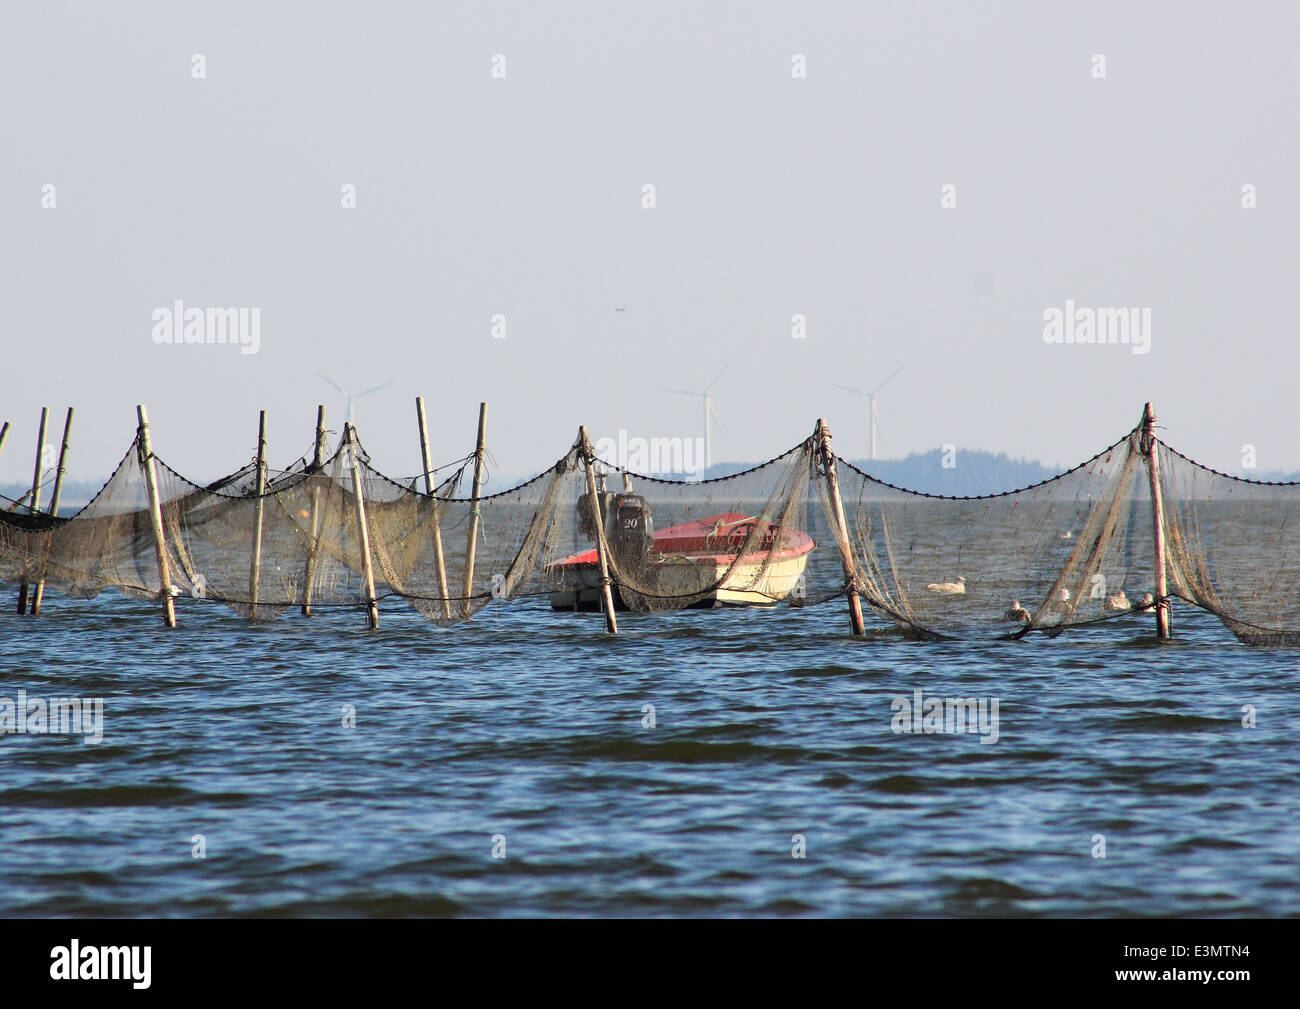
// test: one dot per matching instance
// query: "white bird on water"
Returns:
(1117, 602)
(1017, 614)
(956, 588)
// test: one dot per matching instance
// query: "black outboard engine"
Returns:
(630, 530)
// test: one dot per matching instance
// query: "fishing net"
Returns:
(109, 542)
(263, 544)
(1074, 550)
(1234, 548)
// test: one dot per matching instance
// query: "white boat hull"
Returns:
(744, 586)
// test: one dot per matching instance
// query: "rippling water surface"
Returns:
(528, 724)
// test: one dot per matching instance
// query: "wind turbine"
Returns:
(873, 417)
(352, 397)
(709, 412)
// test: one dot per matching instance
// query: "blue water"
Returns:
(528, 724)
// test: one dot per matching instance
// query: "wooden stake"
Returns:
(36, 498)
(367, 571)
(4, 433)
(472, 538)
(606, 596)
(314, 533)
(431, 490)
(255, 563)
(40, 451)
(145, 446)
(39, 594)
(841, 526)
(1152, 451)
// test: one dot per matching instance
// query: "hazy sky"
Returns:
(775, 196)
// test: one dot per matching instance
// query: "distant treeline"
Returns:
(959, 473)
(970, 472)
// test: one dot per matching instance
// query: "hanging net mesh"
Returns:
(295, 543)
(1234, 548)
(1077, 549)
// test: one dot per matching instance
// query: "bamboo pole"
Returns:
(39, 594)
(1152, 451)
(471, 545)
(4, 433)
(606, 596)
(431, 490)
(841, 526)
(255, 562)
(363, 530)
(155, 516)
(36, 498)
(313, 537)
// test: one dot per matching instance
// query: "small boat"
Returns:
(702, 558)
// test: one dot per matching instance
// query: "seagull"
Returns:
(1063, 595)
(1067, 535)
(1017, 614)
(957, 588)
(1147, 605)
(1117, 602)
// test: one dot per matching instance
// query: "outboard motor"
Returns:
(630, 530)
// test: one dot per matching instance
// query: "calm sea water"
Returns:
(529, 724)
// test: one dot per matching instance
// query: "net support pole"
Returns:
(429, 488)
(472, 536)
(606, 595)
(145, 446)
(1158, 522)
(309, 574)
(39, 594)
(255, 562)
(4, 433)
(36, 498)
(841, 527)
(363, 531)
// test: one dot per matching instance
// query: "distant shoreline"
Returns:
(972, 472)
